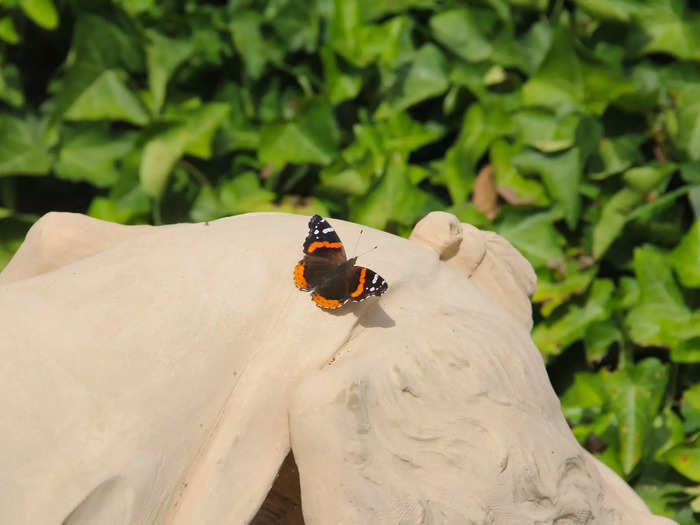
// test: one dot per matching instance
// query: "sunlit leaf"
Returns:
(24, 146)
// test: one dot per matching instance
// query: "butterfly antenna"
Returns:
(365, 253)
(354, 250)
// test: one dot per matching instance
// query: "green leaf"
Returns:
(545, 131)
(361, 44)
(105, 44)
(244, 194)
(393, 199)
(621, 206)
(534, 236)
(667, 499)
(426, 77)
(341, 86)
(613, 218)
(614, 155)
(685, 258)
(257, 50)
(10, 85)
(617, 10)
(690, 408)
(553, 337)
(165, 149)
(397, 135)
(92, 94)
(635, 401)
(512, 185)
(665, 27)
(561, 174)
(555, 293)
(105, 209)
(565, 82)
(42, 12)
(90, 154)
(312, 137)
(584, 399)
(661, 317)
(599, 337)
(482, 124)
(467, 31)
(686, 460)
(163, 56)
(372, 10)
(8, 33)
(24, 146)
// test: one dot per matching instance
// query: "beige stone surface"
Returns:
(159, 375)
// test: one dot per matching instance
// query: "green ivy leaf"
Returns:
(24, 146)
(89, 93)
(661, 317)
(615, 155)
(599, 337)
(90, 154)
(393, 199)
(165, 149)
(257, 50)
(686, 460)
(42, 12)
(690, 408)
(426, 77)
(8, 33)
(341, 86)
(163, 56)
(553, 337)
(565, 82)
(685, 258)
(466, 31)
(534, 236)
(620, 207)
(512, 185)
(10, 85)
(665, 27)
(555, 293)
(584, 399)
(635, 401)
(312, 137)
(561, 174)
(482, 124)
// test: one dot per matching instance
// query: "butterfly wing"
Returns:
(323, 241)
(312, 271)
(333, 293)
(364, 283)
(326, 272)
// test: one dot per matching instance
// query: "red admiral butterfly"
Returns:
(332, 278)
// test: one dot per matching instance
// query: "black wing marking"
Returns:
(364, 282)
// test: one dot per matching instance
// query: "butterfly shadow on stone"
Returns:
(369, 315)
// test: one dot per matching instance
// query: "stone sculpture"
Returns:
(159, 375)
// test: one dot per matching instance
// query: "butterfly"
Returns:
(328, 274)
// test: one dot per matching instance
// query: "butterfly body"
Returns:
(328, 274)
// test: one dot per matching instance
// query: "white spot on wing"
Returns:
(376, 276)
(328, 230)
(315, 232)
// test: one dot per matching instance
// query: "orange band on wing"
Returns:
(361, 285)
(326, 303)
(323, 244)
(299, 278)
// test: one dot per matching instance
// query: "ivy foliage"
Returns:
(570, 128)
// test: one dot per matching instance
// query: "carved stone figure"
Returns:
(160, 375)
